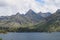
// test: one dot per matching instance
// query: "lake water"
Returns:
(31, 36)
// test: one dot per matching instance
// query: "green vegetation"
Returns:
(3, 31)
(0, 38)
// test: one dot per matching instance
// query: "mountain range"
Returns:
(30, 18)
(38, 21)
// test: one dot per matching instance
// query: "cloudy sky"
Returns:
(9, 7)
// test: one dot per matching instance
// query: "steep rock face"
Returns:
(32, 16)
(44, 14)
(19, 18)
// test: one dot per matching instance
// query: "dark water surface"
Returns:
(31, 36)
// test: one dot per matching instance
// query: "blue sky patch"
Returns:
(40, 1)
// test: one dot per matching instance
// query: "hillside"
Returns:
(52, 23)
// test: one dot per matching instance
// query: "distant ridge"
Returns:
(31, 22)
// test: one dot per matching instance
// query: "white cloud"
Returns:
(52, 5)
(22, 6)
